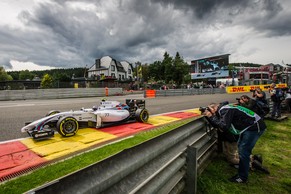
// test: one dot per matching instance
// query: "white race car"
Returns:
(68, 123)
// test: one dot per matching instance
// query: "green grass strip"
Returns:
(60, 169)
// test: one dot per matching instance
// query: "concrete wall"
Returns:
(56, 93)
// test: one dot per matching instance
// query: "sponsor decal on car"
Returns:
(41, 135)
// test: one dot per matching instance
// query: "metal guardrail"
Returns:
(192, 91)
(168, 163)
(56, 93)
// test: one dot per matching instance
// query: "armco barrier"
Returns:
(168, 163)
(56, 93)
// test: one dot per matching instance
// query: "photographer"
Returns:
(260, 95)
(240, 121)
(277, 96)
(255, 105)
(229, 142)
(249, 103)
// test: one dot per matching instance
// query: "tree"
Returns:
(24, 75)
(180, 70)
(62, 77)
(145, 72)
(14, 74)
(170, 70)
(156, 71)
(4, 76)
(47, 81)
(168, 64)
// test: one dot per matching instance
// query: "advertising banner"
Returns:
(240, 89)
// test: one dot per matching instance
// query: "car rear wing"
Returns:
(135, 103)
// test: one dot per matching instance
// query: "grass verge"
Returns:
(54, 171)
(275, 147)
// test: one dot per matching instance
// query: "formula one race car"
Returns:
(68, 123)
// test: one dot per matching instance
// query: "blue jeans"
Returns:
(246, 143)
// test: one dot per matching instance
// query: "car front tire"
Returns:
(67, 126)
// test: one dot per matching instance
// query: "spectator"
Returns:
(240, 121)
(277, 96)
(222, 86)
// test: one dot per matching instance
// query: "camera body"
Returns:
(252, 90)
(203, 109)
(238, 101)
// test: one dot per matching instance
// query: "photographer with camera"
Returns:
(249, 103)
(257, 106)
(277, 96)
(239, 121)
(229, 142)
(260, 95)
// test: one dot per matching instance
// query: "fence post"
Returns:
(191, 171)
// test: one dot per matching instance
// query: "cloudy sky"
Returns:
(42, 34)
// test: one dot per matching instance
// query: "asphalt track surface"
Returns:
(13, 114)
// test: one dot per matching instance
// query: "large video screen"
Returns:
(211, 67)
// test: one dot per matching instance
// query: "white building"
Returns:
(107, 67)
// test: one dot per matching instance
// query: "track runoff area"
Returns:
(20, 156)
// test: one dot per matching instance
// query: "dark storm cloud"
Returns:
(205, 8)
(90, 35)
(73, 33)
(262, 15)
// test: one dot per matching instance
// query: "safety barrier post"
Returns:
(106, 91)
(191, 172)
(150, 93)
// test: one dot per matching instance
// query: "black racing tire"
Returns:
(142, 115)
(67, 126)
(52, 112)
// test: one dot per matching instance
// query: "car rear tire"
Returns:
(52, 112)
(67, 126)
(142, 115)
